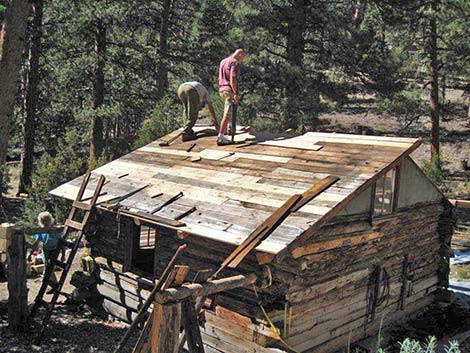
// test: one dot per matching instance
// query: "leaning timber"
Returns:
(295, 243)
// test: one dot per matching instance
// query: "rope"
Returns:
(273, 327)
(269, 274)
(378, 292)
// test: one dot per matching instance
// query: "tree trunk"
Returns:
(162, 63)
(359, 11)
(433, 79)
(31, 98)
(11, 47)
(296, 25)
(96, 146)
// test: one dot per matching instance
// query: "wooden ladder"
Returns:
(71, 226)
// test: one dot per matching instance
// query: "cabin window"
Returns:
(142, 257)
(147, 237)
(155, 245)
(385, 193)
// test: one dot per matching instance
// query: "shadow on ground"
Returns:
(72, 332)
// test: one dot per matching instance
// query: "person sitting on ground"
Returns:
(51, 238)
(194, 96)
(229, 72)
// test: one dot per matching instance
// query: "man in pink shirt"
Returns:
(229, 72)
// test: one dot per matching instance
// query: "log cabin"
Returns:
(370, 250)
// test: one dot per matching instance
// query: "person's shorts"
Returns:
(227, 97)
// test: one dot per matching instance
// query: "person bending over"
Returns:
(194, 96)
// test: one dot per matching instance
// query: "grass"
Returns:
(463, 271)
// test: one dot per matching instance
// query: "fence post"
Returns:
(17, 290)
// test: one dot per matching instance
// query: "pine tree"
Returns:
(31, 98)
(11, 46)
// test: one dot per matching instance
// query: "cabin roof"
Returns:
(235, 188)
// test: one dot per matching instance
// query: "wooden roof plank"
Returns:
(237, 188)
(335, 210)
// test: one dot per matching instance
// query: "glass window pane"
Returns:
(379, 191)
(384, 191)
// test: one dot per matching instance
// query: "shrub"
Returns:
(165, 118)
(463, 272)
(406, 106)
(414, 346)
(51, 171)
(433, 170)
(4, 179)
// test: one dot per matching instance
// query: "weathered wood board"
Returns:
(249, 181)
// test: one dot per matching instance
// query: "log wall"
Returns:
(108, 235)
(319, 297)
(333, 300)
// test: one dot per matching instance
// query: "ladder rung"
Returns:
(58, 263)
(81, 205)
(74, 224)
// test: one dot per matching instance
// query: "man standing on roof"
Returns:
(229, 72)
(194, 96)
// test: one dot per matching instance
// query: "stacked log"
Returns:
(338, 286)
(123, 293)
(331, 302)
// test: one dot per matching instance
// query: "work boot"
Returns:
(223, 141)
(189, 136)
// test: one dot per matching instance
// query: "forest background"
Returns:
(98, 78)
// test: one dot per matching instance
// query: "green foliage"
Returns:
(165, 118)
(96, 163)
(453, 24)
(4, 179)
(463, 272)
(51, 171)
(433, 170)
(414, 346)
(406, 106)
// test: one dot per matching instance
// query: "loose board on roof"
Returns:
(235, 188)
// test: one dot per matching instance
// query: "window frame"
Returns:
(396, 174)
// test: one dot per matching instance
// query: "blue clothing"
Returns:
(50, 242)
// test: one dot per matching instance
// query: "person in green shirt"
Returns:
(194, 96)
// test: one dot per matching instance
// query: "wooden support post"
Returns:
(17, 290)
(143, 310)
(165, 328)
(145, 343)
(5, 236)
(191, 326)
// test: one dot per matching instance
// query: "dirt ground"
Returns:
(72, 329)
(445, 322)
(68, 332)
